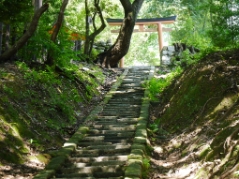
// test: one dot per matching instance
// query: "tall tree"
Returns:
(37, 4)
(50, 58)
(1, 35)
(224, 20)
(121, 46)
(91, 37)
(7, 37)
(26, 36)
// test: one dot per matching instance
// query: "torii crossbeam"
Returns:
(142, 22)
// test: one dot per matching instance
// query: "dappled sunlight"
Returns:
(224, 104)
(199, 113)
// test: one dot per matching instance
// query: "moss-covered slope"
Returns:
(40, 109)
(199, 119)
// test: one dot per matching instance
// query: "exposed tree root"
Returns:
(219, 168)
(229, 172)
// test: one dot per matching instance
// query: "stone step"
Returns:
(119, 100)
(122, 105)
(95, 132)
(116, 110)
(117, 122)
(113, 107)
(118, 140)
(92, 178)
(104, 147)
(128, 93)
(93, 171)
(106, 118)
(99, 152)
(122, 158)
(115, 127)
(93, 138)
(102, 163)
(128, 100)
(85, 144)
(115, 119)
(121, 113)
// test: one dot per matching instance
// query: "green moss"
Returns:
(204, 151)
(44, 158)
(133, 170)
(37, 105)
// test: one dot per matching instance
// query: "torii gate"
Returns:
(142, 22)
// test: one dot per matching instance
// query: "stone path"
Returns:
(112, 142)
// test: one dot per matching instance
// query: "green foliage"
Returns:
(37, 104)
(145, 168)
(185, 59)
(12, 10)
(157, 85)
(224, 18)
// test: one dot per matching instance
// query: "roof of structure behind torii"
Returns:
(163, 20)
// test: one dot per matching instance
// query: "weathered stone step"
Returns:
(128, 108)
(106, 118)
(125, 100)
(127, 96)
(112, 146)
(102, 151)
(95, 132)
(85, 144)
(99, 159)
(118, 140)
(109, 141)
(93, 138)
(94, 151)
(115, 119)
(121, 113)
(115, 127)
(102, 163)
(92, 178)
(121, 105)
(93, 171)
(117, 122)
(114, 109)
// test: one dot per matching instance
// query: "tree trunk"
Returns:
(121, 46)
(38, 4)
(90, 38)
(1, 35)
(87, 28)
(97, 31)
(7, 37)
(26, 36)
(50, 59)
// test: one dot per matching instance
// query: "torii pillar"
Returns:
(141, 23)
(160, 36)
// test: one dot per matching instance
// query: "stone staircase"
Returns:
(112, 142)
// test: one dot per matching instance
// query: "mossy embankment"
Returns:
(198, 121)
(40, 109)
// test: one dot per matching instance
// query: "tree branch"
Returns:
(126, 5)
(59, 21)
(29, 33)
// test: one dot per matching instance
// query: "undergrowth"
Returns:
(38, 104)
(157, 85)
(196, 120)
